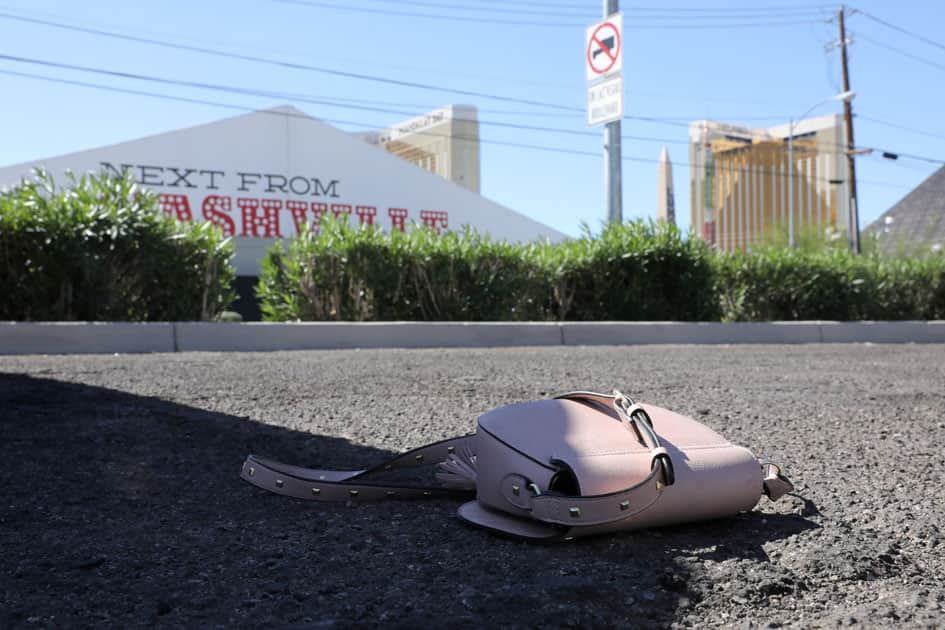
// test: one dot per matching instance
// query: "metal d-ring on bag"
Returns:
(579, 464)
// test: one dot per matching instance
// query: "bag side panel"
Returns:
(713, 482)
(495, 461)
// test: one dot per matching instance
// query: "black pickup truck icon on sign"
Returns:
(608, 43)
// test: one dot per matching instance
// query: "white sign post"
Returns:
(605, 101)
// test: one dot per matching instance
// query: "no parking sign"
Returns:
(603, 48)
(603, 55)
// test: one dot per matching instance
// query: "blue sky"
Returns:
(757, 64)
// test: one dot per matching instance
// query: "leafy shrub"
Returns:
(635, 271)
(99, 250)
(785, 284)
(358, 274)
(631, 271)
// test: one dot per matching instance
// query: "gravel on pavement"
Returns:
(121, 503)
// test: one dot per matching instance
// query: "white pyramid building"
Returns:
(262, 174)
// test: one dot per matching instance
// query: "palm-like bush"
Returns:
(98, 249)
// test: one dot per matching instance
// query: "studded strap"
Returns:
(598, 509)
(347, 485)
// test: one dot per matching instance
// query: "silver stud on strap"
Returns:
(252, 471)
(450, 449)
(516, 490)
(316, 492)
(279, 483)
(624, 505)
(427, 493)
(353, 493)
(419, 458)
(390, 493)
(574, 512)
(533, 488)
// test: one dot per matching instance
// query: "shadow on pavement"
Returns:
(126, 510)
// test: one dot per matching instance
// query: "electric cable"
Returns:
(319, 69)
(314, 101)
(590, 14)
(680, 10)
(900, 52)
(921, 132)
(331, 102)
(467, 19)
(369, 127)
(286, 64)
(899, 28)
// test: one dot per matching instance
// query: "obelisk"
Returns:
(665, 204)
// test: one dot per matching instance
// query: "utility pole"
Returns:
(613, 151)
(853, 230)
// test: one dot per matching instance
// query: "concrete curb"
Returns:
(121, 337)
(85, 337)
(323, 335)
(638, 333)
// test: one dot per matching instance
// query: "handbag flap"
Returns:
(604, 453)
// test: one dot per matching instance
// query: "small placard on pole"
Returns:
(605, 101)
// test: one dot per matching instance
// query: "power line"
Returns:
(563, 12)
(665, 9)
(302, 116)
(311, 68)
(591, 14)
(751, 8)
(330, 102)
(902, 52)
(286, 64)
(303, 98)
(318, 69)
(242, 46)
(428, 69)
(243, 108)
(921, 132)
(466, 19)
(900, 29)
(912, 156)
(455, 18)
(359, 104)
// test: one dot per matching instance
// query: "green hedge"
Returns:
(99, 249)
(356, 274)
(634, 271)
(638, 271)
(786, 284)
(631, 271)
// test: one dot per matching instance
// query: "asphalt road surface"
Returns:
(121, 505)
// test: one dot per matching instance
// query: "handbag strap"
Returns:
(346, 485)
(635, 417)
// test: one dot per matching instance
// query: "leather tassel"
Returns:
(458, 470)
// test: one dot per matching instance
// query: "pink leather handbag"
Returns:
(580, 464)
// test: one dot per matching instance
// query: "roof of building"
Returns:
(916, 223)
(286, 155)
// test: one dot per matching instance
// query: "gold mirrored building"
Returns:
(739, 179)
(444, 141)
